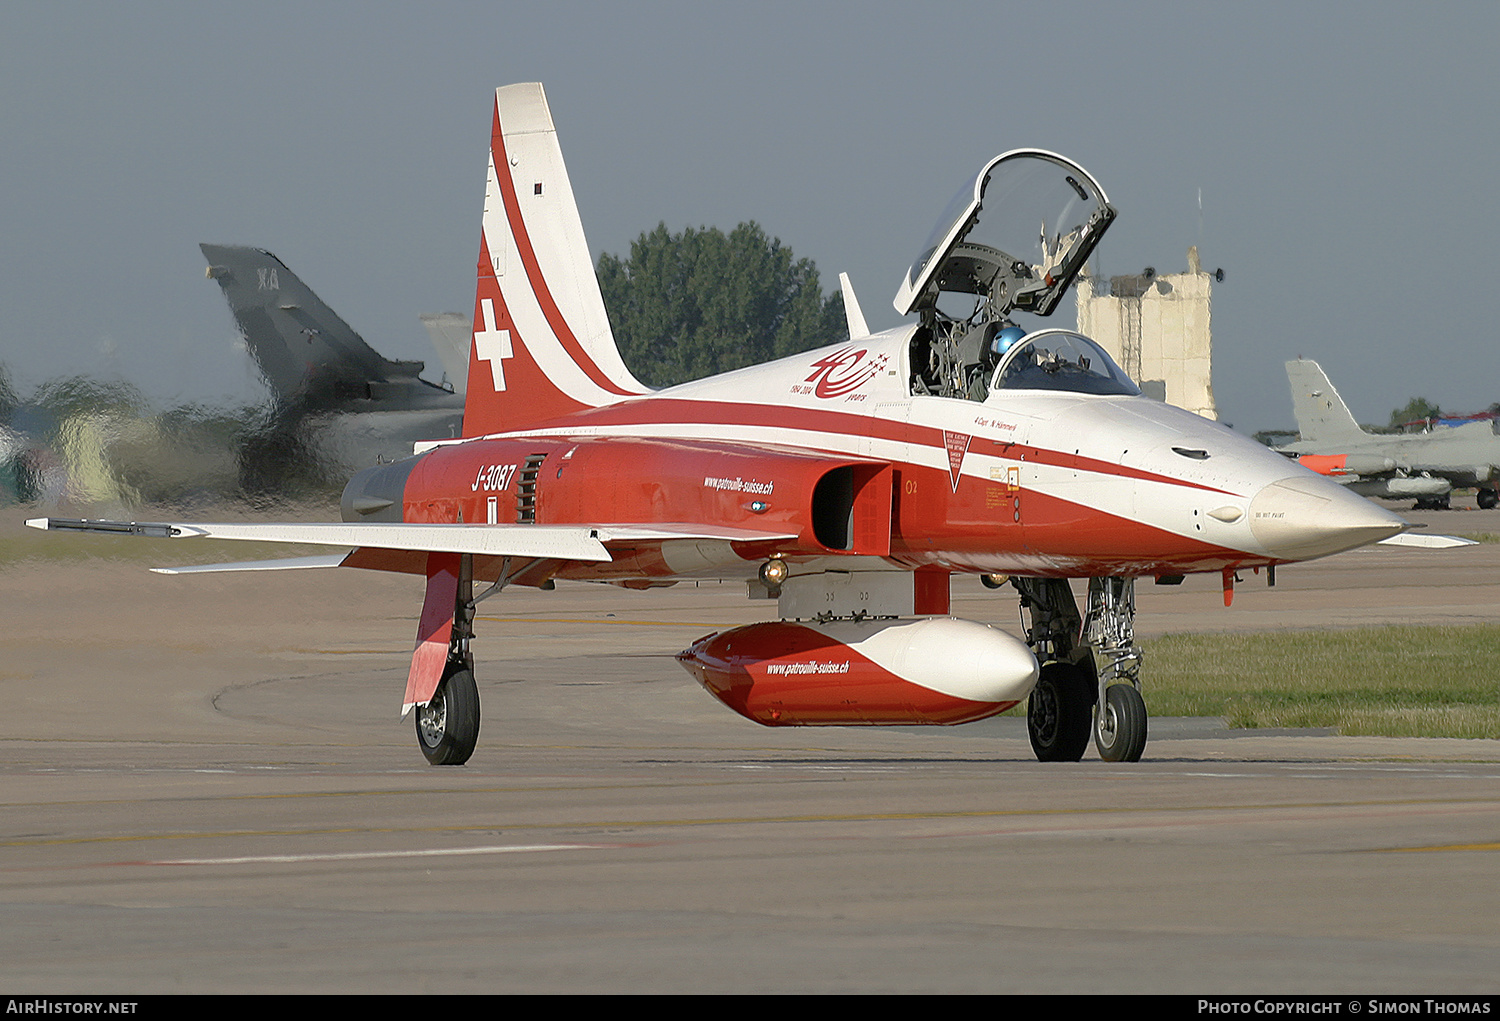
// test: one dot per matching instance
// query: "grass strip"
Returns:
(1394, 681)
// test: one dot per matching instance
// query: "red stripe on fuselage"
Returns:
(686, 412)
(985, 525)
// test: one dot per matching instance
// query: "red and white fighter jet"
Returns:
(848, 483)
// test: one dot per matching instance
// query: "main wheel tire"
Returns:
(1487, 499)
(1058, 715)
(1120, 731)
(448, 726)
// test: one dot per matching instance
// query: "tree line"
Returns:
(700, 302)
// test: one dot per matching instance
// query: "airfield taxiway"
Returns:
(206, 789)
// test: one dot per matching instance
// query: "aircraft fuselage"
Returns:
(1026, 482)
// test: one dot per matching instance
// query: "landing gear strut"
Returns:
(1120, 716)
(448, 725)
(1073, 696)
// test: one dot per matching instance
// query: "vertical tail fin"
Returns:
(452, 337)
(542, 345)
(304, 349)
(1321, 414)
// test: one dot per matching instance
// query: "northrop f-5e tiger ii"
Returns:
(849, 483)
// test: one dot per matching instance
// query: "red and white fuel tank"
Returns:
(935, 670)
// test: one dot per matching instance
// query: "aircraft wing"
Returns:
(430, 548)
(286, 564)
(562, 542)
(542, 542)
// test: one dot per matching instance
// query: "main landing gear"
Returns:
(448, 725)
(1058, 712)
(1073, 696)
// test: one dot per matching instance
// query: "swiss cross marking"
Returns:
(492, 345)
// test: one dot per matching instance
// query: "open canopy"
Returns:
(1017, 233)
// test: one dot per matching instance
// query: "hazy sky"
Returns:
(1345, 153)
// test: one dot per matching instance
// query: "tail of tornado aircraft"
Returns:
(1321, 414)
(306, 352)
(542, 344)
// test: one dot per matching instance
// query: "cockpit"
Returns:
(1061, 360)
(1013, 239)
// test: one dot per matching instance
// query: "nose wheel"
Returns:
(1120, 724)
(448, 725)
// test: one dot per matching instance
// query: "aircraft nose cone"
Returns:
(1303, 518)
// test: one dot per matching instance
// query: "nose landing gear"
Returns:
(1120, 727)
(1072, 697)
